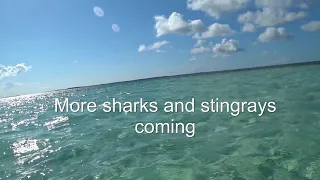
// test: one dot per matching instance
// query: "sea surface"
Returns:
(38, 143)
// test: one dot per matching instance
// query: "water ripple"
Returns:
(37, 143)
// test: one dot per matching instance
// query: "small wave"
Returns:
(55, 123)
(25, 122)
(24, 146)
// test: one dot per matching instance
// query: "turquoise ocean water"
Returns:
(37, 143)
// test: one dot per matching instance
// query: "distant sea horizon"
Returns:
(182, 75)
(36, 142)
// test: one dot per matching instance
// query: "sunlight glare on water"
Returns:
(38, 143)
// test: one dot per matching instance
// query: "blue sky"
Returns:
(47, 45)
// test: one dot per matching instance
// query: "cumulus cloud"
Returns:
(216, 30)
(270, 17)
(160, 51)
(226, 47)
(283, 4)
(176, 24)
(200, 43)
(311, 26)
(248, 27)
(273, 34)
(201, 49)
(214, 8)
(158, 45)
(303, 6)
(274, 3)
(6, 71)
(142, 48)
(115, 27)
(274, 12)
(98, 11)
(155, 46)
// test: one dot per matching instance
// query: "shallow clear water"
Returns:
(37, 143)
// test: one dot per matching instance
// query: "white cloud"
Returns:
(6, 71)
(176, 24)
(248, 27)
(200, 42)
(226, 47)
(274, 12)
(158, 45)
(154, 46)
(201, 49)
(216, 30)
(214, 8)
(98, 11)
(304, 6)
(270, 17)
(115, 27)
(283, 4)
(311, 26)
(160, 51)
(142, 48)
(274, 3)
(273, 34)
(74, 62)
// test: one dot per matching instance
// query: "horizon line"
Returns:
(201, 73)
(186, 75)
